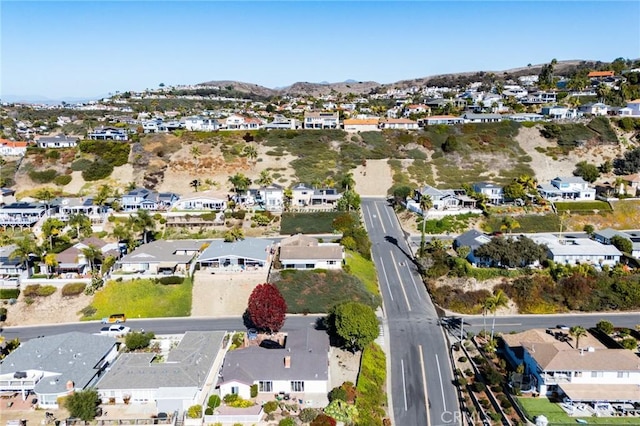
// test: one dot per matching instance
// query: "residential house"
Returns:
(473, 239)
(57, 141)
(494, 193)
(321, 120)
(299, 371)
(589, 373)
(74, 261)
(634, 106)
(442, 103)
(399, 124)
(604, 236)
(65, 207)
(174, 384)
(242, 255)
(240, 122)
(282, 122)
(416, 109)
(204, 200)
(21, 214)
(524, 117)
(304, 196)
(303, 252)
(559, 113)
(162, 257)
(109, 133)
(537, 98)
(203, 124)
(12, 148)
(572, 188)
(12, 269)
(470, 117)
(623, 112)
(7, 195)
(441, 119)
(51, 367)
(443, 199)
(573, 251)
(270, 197)
(361, 125)
(145, 199)
(632, 183)
(600, 74)
(597, 108)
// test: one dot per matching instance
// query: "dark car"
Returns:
(271, 344)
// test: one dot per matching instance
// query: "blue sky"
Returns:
(90, 48)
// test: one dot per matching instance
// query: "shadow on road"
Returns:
(394, 241)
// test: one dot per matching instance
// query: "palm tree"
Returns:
(487, 306)
(195, 151)
(143, 223)
(51, 262)
(92, 254)
(45, 195)
(347, 181)
(265, 178)
(425, 204)
(240, 182)
(234, 234)
(251, 152)
(498, 300)
(509, 224)
(577, 332)
(80, 222)
(288, 197)
(101, 197)
(25, 247)
(195, 184)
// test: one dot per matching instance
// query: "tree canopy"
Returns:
(82, 404)
(356, 324)
(267, 307)
(586, 171)
(512, 253)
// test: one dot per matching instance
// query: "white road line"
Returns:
(424, 386)
(381, 221)
(370, 218)
(395, 265)
(444, 404)
(391, 221)
(386, 278)
(515, 324)
(404, 386)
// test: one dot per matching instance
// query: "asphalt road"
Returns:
(420, 370)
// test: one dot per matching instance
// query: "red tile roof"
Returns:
(601, 74)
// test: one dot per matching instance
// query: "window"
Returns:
(235, 390)
(331, 262)
(265, 386)
(623, 374)
(597, 374)
(297, 386)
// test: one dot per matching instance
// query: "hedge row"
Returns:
(37, 290)
(9, 293)
(371, 384)
(73, 289)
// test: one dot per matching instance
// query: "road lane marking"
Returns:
(369, 213)
(424, 386)
(386, 278)
(444, 403)
(381, 221)
(404, 386)
(393, 224)
(395, 265)
(515, 324)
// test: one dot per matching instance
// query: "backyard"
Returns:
(141, 298)
(308, 223)
(557, 416)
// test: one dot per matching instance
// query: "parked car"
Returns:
(562, 327)
(114, 318)
(115, 330)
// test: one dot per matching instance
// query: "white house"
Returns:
(572, 251)
(588, 373)
(441, 119)
(361, 125)
(524, 116)
(205, 200)
(203, 124)
(109, 133)
(444, 199)
(299, 370)
(55, 366)
(321, 120)
(161, 257)
(240, 122)
(634, 106)
(57, 141)
(604, 236)
(282, 122)
(572, 188)
(302, 252)
(270, 197)
(399, 124)
(12, 148)
(597, 108)
(560, 113)
(470, 117)
(416, 109)
(494, 193)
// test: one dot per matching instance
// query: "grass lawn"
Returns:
(581, 206)
(318, 290)
(143, 298)
(557, 416)
(528, 223)
(308, 223)
(365, 270)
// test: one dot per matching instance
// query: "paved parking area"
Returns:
(223, 294)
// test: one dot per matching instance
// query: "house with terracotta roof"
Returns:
(399, 124)
(554, 363)
(361, 125)
(240, 122)
(416, 109)
(600, 74)
(12, 148)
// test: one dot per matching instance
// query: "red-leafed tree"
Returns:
(267, 307)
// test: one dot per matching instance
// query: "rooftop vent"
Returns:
(287, 361)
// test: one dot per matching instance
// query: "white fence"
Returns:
(57, 282)
(229, 418)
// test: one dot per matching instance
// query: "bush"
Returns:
(113, 152)
(3, 314)
(288, 421)
(208, 411)
(52, 154)
(173, 279)
(239, 214)
(338, 393)
(323, 420)
(80, 165)
(270, 407)
(462, 359)
(213, 402)
(99, 169)
(254, 390)
(630, 343)
(36, 290)
(194, 412)
(478, 387)
(73, 289)
(135, 340)
(307, 415)
(44, 176)
(241, 403)
(605, 326)
(9, 293)
(231, 397)
(62, 180)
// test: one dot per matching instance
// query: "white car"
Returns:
(115, 330)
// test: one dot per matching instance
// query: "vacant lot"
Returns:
(308, 223)
(142, 298)
(583, 206)
(528, 223)
(318, 290)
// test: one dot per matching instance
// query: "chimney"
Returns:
(287, 361)
(70, 385)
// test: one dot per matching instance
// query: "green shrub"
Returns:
(53, 154)
(36, 290)
(208, 411)
(113, 152)
(254, 390)
(73, 289)
(213, 402)
(44, 176)
(173, 279)
(338, 393)
(3, 314)
(99, 169)
(288, 421)
(231, 397)
(241, 403)
(478, 387)
(239, 214)
(194, 412)
(270, 407)
(9, 293)
(630, 343)
(81, 165)
(62, 180)
(138, 340)
(307, 415)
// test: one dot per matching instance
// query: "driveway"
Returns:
(223, 294)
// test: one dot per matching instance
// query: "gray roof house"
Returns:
(300, 368)
(57, 141)
(242, 255)
(12, 270)
(174, 384)
(53, 366)
(472, 239)
(161, 257)
(302, 252)
(604, 236)
(493, 192)
(578, 250)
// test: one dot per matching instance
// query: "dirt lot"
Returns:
(223, 295)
